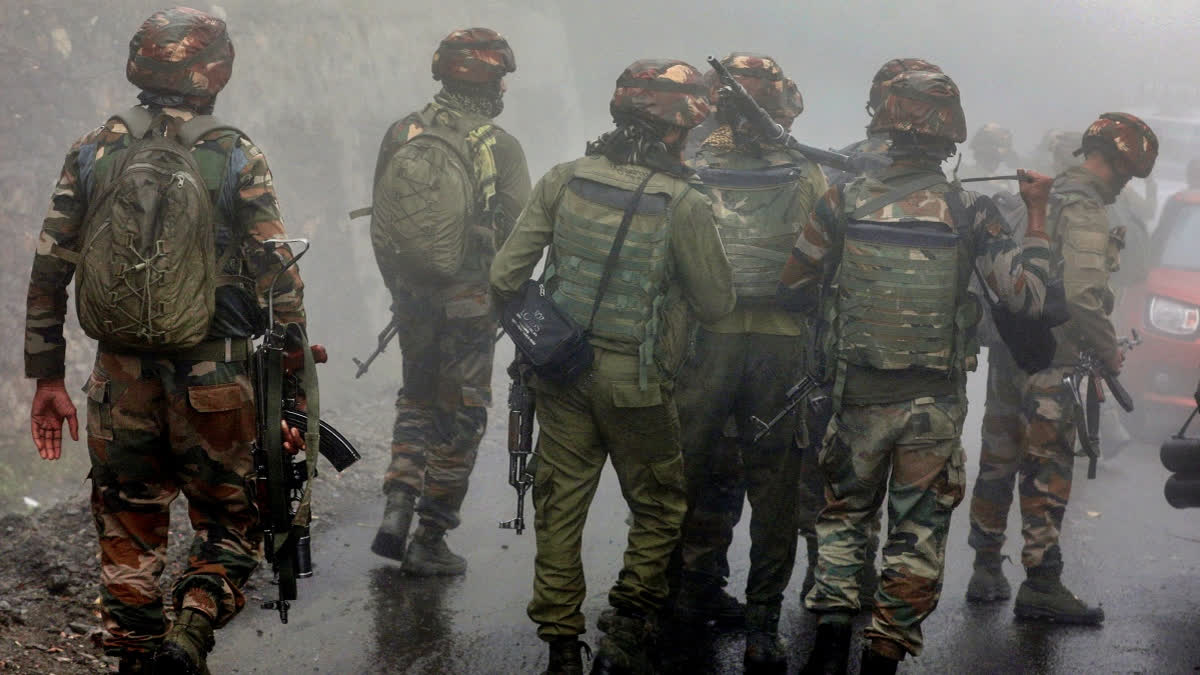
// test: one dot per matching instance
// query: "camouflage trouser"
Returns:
(740, 375)
(580, 425)
(917, 442)
(156, 427)
(441, 412)
(1028, 429)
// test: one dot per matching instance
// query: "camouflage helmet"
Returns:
(763, 79)
(889, 70)
(665, 90)
(180, 51)
(474, 55)
(992, 137)
(924, 103)
(1128, 141)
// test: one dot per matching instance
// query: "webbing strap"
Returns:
(896, 194)
(200, 126)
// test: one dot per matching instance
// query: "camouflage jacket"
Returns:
(1016, 273)
(249, 210)
(1079, 229)
(512, 174)
(718, 152)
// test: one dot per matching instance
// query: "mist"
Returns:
(317, 82)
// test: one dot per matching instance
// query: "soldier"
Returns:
(447, 323)
(991, 148)
(164, 419)
(671, 264)
(1031, 432)
(875, 145)
(897, 249)
(743, 365)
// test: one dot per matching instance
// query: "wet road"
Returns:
(1123, 545)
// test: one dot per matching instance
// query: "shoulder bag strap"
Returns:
(611, 264)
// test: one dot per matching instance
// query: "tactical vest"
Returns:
(589, 213)
(901, 299)
(751, 209)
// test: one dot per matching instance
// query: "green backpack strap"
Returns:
(200, 126)
(137, 120)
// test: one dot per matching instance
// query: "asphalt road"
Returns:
(1123, 545)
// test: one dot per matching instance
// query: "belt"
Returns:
(223, 350)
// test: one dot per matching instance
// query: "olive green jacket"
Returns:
(697, 264)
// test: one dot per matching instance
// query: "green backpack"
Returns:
(424, 207)
(145, 277)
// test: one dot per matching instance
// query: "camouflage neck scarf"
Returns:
(479, 99)
(198, 104)
(638, 141)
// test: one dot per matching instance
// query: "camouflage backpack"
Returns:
(146, 273)
(427, 201)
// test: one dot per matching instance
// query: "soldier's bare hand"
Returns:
(1035, 188)
(320, 354)
(293, 440)
(294, 360)
(1116, 363)
(51, 405)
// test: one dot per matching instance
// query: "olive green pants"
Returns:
(603, 416)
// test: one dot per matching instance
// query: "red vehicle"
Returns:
(1165, 309)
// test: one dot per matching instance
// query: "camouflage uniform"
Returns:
(158, 424)
(448, 347)
(672, 263)
(896, 428)
(1029, 428)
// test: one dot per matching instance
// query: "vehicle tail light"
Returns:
(1173, 317)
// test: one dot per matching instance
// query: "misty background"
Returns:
(316, 83)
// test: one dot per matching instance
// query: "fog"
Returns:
(315, 84)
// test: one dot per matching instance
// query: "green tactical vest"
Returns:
(751, 209)
(901, 299)
(588, 216)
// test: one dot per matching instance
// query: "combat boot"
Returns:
(831, 649)
(565, 656)
(393, 532)
(987, 583)
(810, 575)
(428, 555)
(877, 663)
(185, 648)
(622, 649)
(766, 652)
(701, 598)
(1042, 597)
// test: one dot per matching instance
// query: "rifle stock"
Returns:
(763, 124)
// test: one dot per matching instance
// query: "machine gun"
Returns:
(284, 479)
(521, 459)
(1087, 408)
(800, 392)
(762, 124)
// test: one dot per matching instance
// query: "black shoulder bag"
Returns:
(553, 343)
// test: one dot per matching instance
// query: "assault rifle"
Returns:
(799, 392)
(385, 338)
(284, 480)
(762, 124)
(1087, 406)
(521, 460)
